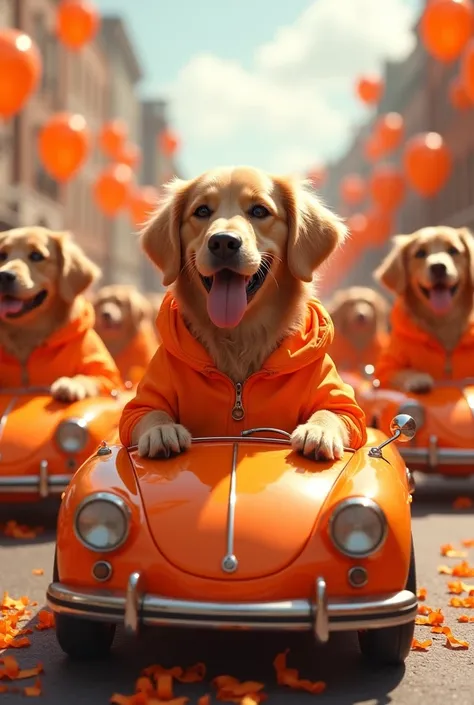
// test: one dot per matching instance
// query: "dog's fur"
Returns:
(360, 315)
(44, 261)
(408, 272)
(287, 245)
(121, 312)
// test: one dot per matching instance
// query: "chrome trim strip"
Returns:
(239, 439)
(31, 483)
(369, 504)
(43, 479)
(444, 456)
(264, 429)
(289, 615)
(103, 497)
(230, 562)
(321, 612)
(6, 414)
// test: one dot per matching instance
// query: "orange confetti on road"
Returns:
(290, 676)
(422, 593)
(417, 645)
(45, 620)
(463, 503)
(14, 530)
(450, 552)
(37, 571)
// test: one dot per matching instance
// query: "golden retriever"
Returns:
(360, 317)
(42, 274)
(431, 271)
(121, 312)
(240, 248)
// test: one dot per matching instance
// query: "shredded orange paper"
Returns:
(418, 645)
(14, 530)
(290, 676)
(422, 594)
(462, 503)
(450, 552)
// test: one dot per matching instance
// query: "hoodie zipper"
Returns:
(238, 411)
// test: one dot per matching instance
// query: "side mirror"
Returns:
(402, 428)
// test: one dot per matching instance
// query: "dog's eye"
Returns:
(259, 212)
(202, 212)
(420, 253)
(453, 251)
(3, 256)
(36, 256)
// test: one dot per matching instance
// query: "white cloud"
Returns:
(297, 103)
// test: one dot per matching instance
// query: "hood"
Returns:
(301, 348)
(403, 326)
(82, 319)
(279, 495)
(19, 415)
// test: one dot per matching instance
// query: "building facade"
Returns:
(125, 256)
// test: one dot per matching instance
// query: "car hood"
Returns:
(27, 424)
(279, 495)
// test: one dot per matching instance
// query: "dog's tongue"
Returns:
(440, 300)
(227, 300)
(9, 306)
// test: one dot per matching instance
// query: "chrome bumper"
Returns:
(43, 483)
(433, 456)
(320, 615)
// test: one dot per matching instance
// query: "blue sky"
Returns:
(263, 82)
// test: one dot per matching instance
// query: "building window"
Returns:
(44, 184)
(47, 45)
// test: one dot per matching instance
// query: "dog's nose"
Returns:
(438, 269)
(7, 281)
(224, 245)
(106, 315)
(361, 317)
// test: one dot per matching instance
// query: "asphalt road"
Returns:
(437, 676)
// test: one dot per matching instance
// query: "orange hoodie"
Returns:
(74, 349)
(347, 356)
(412, 348)
(133, 360)
(297, 379)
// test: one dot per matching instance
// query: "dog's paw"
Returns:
(419, 382)
(162, 441)
(318, 441)
(68, 389)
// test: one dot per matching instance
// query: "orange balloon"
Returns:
(112, 138)
(467, 70)
(387, 187)
(112, 189)
(130, 154)
(370, 89)
(357, 225)
(143, 202)
(379, 226)
(389, 131)
(20, 70)
(427, 163)
(168, 142)
(445, 28)
(77, 23)
(316, 176)
(353, 189)
(457, 94)
(63, 145)
(373, 148)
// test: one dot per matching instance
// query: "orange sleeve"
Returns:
(96, 361)
(392, 359)
(155, 392)
(330, 393)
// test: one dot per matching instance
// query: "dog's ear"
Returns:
(467, 239)
(77, 271)
(160, 235)
(392, 271)
(140, 308)
(314, 231)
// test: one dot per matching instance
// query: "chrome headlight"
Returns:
(415, 410)
(358, 527)
(102, 522)
(72, 435)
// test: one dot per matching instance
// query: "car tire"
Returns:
(390, 646)
(82, 639)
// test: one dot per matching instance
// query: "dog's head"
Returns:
(120, 309)
(359, 311)
(232, 237)
(38, 269)
(433, 268)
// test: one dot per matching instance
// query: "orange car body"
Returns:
(33, 464)
(444, 441)
(233, 529)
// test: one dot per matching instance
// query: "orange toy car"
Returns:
(239, 533)
(444, 442)
(43, 441)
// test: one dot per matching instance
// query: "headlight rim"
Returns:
(77, 421)
(412, 405)
(365, 502)
(107, 497)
